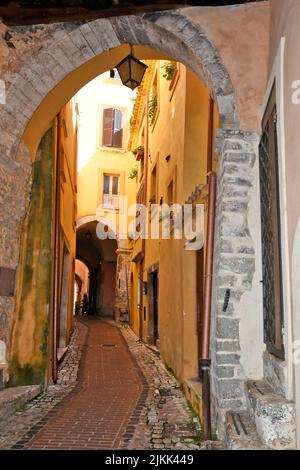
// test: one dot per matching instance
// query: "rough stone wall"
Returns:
(14, 197)
(234, 266)
(29, 343)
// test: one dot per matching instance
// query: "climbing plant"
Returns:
(133, 172)
(153, 102)
(169, 69)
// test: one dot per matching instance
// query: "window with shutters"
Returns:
(112, 133)
(271, 233)
(111, 185)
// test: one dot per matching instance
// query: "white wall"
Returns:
(251, 307)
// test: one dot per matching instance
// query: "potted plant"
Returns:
(138, 152)
(133, 173)
(169, 70)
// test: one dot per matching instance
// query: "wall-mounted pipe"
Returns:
(205, 358)
(146, 156)
(56, 251)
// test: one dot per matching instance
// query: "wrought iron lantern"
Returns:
(131, 71)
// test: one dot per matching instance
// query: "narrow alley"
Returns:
(122, 398)
(149, 225)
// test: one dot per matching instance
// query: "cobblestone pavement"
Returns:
(121, 396)
(166, 420)
(19, 426)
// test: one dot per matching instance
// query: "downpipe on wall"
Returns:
(56, 251)
(205, 361)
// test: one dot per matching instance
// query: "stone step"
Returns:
(274, 416)
(13, 398)
(241, 432)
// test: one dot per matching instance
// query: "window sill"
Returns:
(109, 209)
(111, 149)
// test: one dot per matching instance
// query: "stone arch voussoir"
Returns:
(169, 32)
(63, 48)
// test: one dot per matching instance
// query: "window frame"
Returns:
(277, 76)
(101, 129)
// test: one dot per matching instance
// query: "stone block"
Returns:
(236, 181)
(80, 43)
(224, 244)
(230, 145)
(11, 399)
(235, 295)
(234, 229)
(274, 416)
(234, 205)
(239, 157)
(245, 249)
(226, 280)
(230, 389)
(227, 345)
(234, 218)
(225, 372)
(232, 191)
(227, 358)
(231, 308)
(237, 264)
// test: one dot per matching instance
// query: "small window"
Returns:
(153, 185)
(111, 191)
(112, 135)
(171, 193)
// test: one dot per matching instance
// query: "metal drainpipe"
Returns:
(56, 250)
(205, 359)
(146, 156)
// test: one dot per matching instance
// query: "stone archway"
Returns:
(69, 46)
(40, 83)
(37, 81)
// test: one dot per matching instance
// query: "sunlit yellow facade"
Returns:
(177, 140)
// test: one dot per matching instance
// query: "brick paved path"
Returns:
(96, 414)
(122, 397)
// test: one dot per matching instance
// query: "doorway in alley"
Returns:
(100, 258)
(153, 306)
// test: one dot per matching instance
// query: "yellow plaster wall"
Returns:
(90, 183)
(180, 130)
(68, 195)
